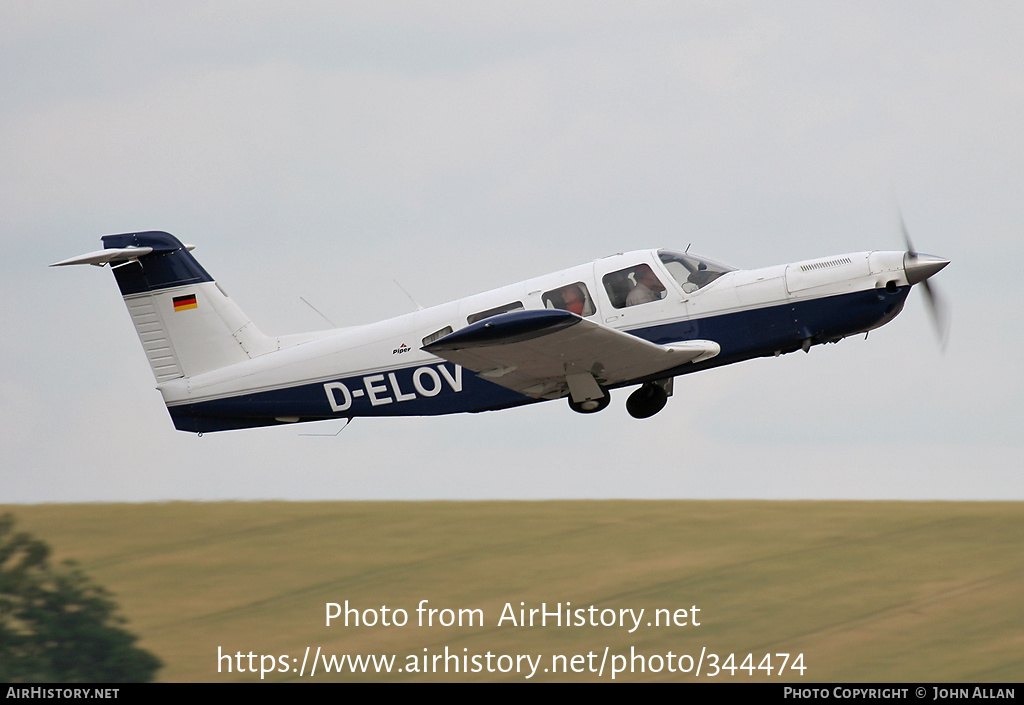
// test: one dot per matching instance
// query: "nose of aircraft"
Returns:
(920, 266)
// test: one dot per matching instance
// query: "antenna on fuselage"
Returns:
(348, 420)
(333, 325)
(418, 307)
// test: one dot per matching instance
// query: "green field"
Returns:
(866, 591)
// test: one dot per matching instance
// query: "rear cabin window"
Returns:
(514, 306)
(572, 297)
(437, 335)
(633, 286)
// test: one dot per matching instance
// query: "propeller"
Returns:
(919, 267)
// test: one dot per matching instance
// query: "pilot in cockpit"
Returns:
(702, 277)
(648, 287)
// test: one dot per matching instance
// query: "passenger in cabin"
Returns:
(648, 287)
(573, 299)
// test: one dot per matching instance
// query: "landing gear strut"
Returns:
(646, 401)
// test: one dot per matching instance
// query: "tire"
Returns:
(646, 401)
(590, 407)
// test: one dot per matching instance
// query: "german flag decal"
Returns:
(184, 303)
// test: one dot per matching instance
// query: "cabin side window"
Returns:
(497, 311)
(572, 297)
(437, 335)
(633, 286)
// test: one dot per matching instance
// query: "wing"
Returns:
(543, 353)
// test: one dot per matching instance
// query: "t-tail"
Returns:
(186, 323)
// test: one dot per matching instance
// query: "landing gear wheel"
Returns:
(591, 406)
(646, 401)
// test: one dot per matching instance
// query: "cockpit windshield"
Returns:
(692, 271)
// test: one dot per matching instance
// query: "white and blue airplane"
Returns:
(638, 318)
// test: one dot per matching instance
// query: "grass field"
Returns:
(866, 591)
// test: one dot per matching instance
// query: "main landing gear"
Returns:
(643, 403)
(647, 401)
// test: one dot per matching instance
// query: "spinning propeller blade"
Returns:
(919, 267)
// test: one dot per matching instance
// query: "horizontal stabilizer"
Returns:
(110, 256)
(102, 257)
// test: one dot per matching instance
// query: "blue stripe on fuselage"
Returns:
(744, 335)
(444, 388)
(423, 390)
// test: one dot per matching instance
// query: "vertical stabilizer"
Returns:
(185, 321)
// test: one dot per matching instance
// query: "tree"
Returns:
(56, 625)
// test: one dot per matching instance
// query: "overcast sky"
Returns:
(325, 149)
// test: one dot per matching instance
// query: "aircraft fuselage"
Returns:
(380, 369)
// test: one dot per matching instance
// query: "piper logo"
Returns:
(403, 348)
